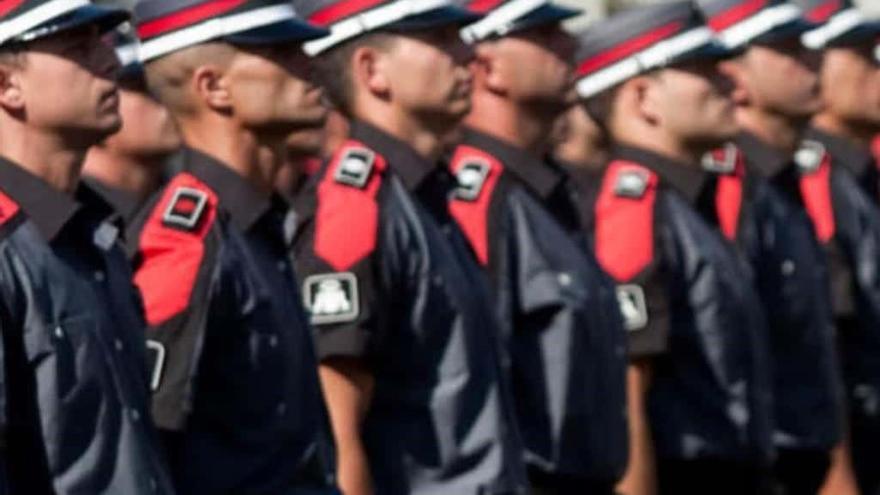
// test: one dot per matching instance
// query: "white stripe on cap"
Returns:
(214, 28)
(651, 58)
(128, 54)
(760, 23)
(839, 24)
(27, 21)
(498, 22)
(370, 20)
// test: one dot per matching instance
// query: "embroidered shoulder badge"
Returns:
(631, 184)
(471, 178)
(722, 160)
(186, 208)
(809, 156)
(332, 298)
(355, 167)
(633, 308)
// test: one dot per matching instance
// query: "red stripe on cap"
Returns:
(186, 17)
(628, 48)
(823, 11)
(340, 10)
(483, 6)
(7, 6)
(736, 14)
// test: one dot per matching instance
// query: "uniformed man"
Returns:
(697, 331)
(130, 166)
(840, 186)
(75, 403)
(406, 332)
(850, 75)
(759, 205)
(560, 320)
(234, 375)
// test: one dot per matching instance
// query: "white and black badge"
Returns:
(332, 298)
(809, 156)
(471, 178)
(355, 167)
(722, 161)
(633, 308)
(185, 209)
(631, 184)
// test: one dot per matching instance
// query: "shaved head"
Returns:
(169, 76)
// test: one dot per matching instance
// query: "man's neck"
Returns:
(512, 123)
(830, 123)
(233, 146)
(427, 139)
(661, 144)
(43, 154)
(136, 176)
(777, 131)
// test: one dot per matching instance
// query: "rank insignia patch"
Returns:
(332, 298)
(721, 161)
(185, 209)
(809, 157)
(156, 363)
(631, 184)
(633, 307)
(471, 178)
(355, 167)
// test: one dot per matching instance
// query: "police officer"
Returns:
(236, 391)
(563, 332)
(759, 205)
(406, 331)
(74, 415)
(696, 327)
(839, 184)
(129, 167)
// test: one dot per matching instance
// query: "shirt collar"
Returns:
(858, 159)
(688, 179)
(411, 167)
(241, 200)
(537, 174)
(123, 202)
(766, 160)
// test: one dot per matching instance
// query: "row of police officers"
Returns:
(640, 259)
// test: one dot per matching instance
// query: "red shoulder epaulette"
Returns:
(172, 247)
(875, 150)
(729, 165)
(478, 173)
(814, 164)
(8, 209)
(625, 219)
(347, 216)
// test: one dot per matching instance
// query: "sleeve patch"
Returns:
(347, 215)
(631, 184)
(814, 164)
(809, 156)
(8, 208)
(332, 298)
(730, 170)
(172, 254)
(477, 173)
(633, 307)
(722, 161)
(355, 167)
(624, 223)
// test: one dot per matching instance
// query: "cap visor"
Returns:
(439, 17)
(708, 52)
(793, 29)
(545, 14)
(105, 17)
(866, 31)
(289, 31)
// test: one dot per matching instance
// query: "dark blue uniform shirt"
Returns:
(75, 395)
(234, 371)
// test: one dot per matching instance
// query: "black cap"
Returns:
(27, 20)
(503, 17)
(741, 22)
(840, 23)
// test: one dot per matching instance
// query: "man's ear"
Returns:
(640, 97)
(369, 69)
(211, 87)
(736, 72)
(486, 70)
(11, 94)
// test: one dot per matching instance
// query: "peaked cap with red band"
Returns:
(639, 40)
(166, 26)
(840, 23)
(503, 17)
(740, 22)
(27, 20)
(349, 19)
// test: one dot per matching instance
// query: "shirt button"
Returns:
(564, 279)
(273, 341)
(59, 332)
(788, 267)
(118, 344)
(282, 266)
(99, 276)
(135, 415)
(154, 485)
(620, 351)
(281, 409)
(437, 280)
